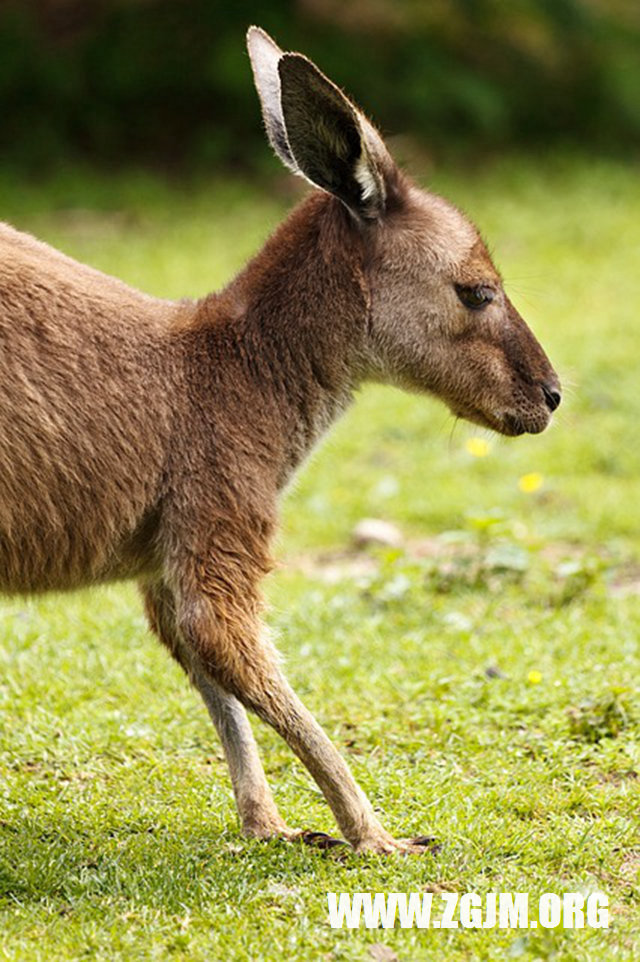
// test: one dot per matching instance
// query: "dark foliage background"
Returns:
(168, 81)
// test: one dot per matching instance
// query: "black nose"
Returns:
(552, 396)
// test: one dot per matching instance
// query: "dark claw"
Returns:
(429, 842)
(321, 840)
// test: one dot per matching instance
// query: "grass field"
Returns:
(482, 679)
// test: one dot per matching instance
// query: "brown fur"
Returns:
(151, 440)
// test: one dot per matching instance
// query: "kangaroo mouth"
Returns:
(509, 425)
(514, 425)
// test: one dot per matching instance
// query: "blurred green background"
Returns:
(167, 81)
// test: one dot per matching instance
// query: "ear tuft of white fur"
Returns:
(370, 167)
(364, 175)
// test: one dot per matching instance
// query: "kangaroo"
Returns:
(149, 439)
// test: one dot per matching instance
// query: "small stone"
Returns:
(492, 671)
(372, 531)
(382, 953)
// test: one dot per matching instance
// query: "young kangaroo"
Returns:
(147, 439)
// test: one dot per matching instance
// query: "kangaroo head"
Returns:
(439, 319)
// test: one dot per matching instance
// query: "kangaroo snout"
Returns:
(509, 387)
(552, 394)
(535, 386)
(533, 416)
(533, 419)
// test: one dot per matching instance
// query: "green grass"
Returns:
(482, 681)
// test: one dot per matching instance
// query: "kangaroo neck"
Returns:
(297, 316)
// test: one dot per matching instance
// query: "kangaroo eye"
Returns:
(475, 298)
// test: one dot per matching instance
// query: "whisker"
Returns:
(570, 384)
(519, 288)
(454, 425)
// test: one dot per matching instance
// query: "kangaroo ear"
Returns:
(332, 142)
(265, 54)
(317, 132)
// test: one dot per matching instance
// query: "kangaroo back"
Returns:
(84, 420)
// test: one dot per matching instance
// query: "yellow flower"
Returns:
(530, 482)
(477, 447)
(534, 677)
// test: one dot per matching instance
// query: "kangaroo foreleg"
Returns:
(236, 655)
(257, 810)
